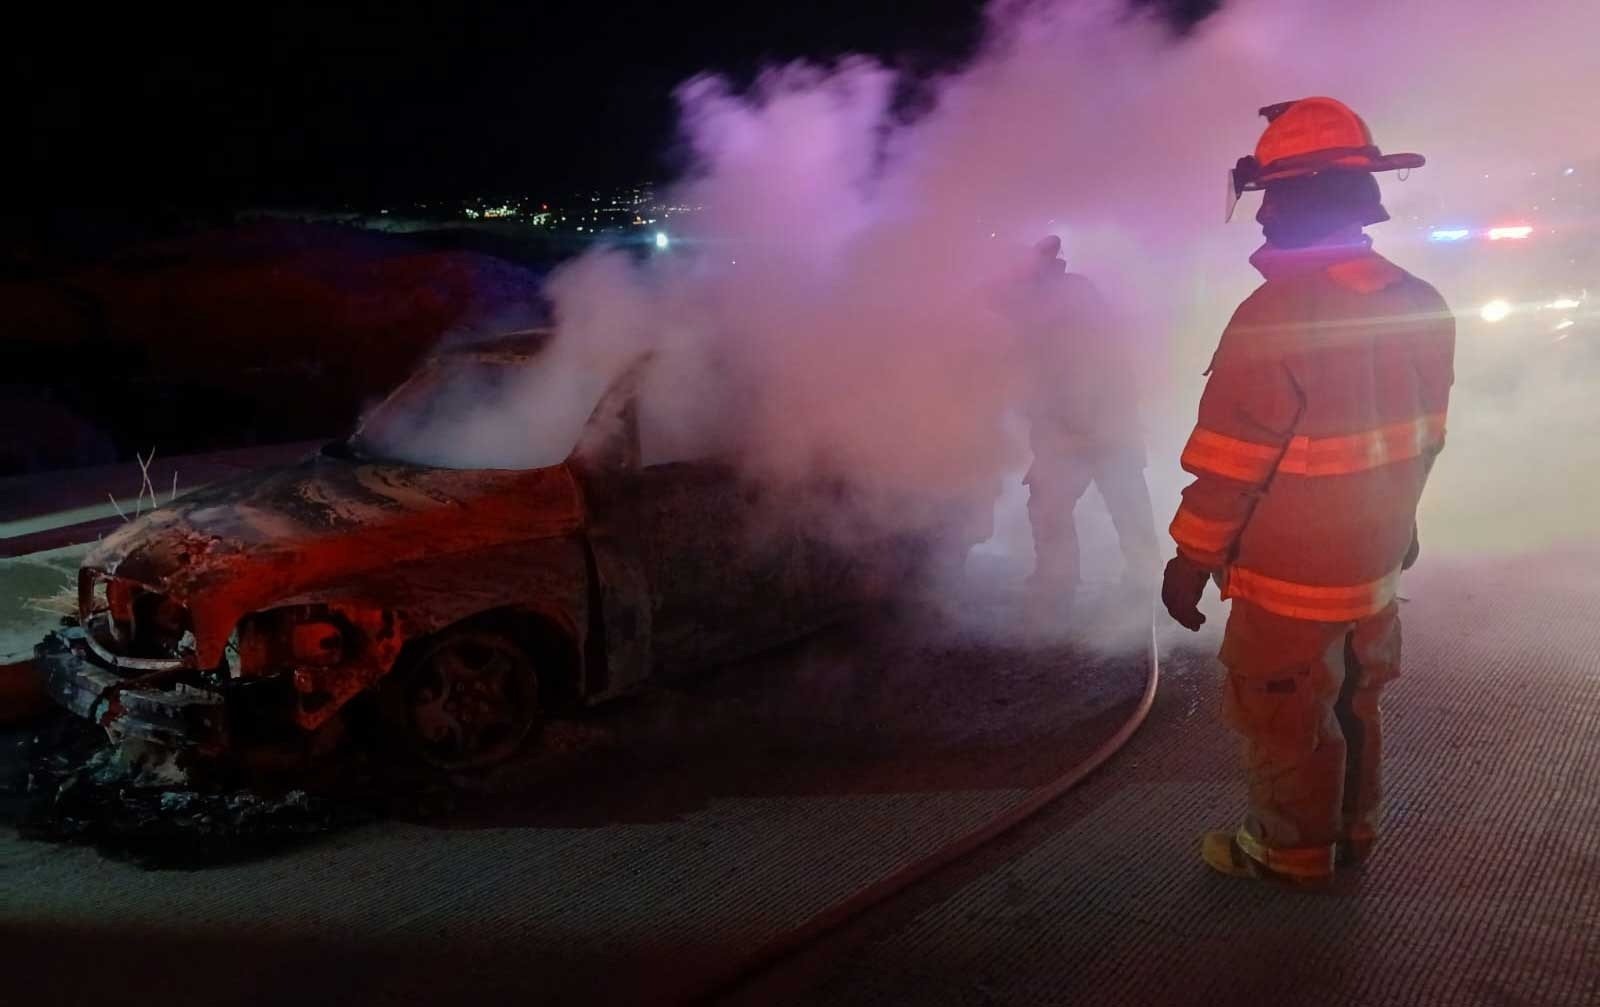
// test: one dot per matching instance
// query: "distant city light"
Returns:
(662, 241)
(1564, 304)
(1450, 234)
(605, 212)
(1569, 171)
(1565, 324)
(1495, 311)
(1511, 233)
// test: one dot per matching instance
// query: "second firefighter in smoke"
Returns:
(1079, 395)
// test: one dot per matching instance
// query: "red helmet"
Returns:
(1310, 135)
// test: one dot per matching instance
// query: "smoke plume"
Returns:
(830, 310)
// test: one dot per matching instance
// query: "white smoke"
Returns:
(828, 310)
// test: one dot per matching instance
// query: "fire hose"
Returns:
(837, 915)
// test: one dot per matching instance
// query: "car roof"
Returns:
(507, 346)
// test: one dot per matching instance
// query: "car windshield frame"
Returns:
(433, 378)
(430, 379)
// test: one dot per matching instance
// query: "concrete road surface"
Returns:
(637, 871)
(1485, 889)
(647, 850)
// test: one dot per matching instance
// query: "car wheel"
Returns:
(469, 700)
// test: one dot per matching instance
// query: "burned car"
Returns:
(458, 603)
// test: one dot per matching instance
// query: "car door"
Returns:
(691, 559)
(606, 461)
(699, 544)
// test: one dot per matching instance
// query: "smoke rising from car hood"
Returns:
(827, 308)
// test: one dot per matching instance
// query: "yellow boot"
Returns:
(1241, 855)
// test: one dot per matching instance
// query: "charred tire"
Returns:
(467, 699)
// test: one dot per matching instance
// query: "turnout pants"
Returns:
(1304, 696)
(1055, 485)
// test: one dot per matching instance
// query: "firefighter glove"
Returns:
(1181, 588)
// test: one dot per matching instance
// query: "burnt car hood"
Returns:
(233, 548)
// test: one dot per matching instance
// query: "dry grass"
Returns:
(145, 487)
(63, 603)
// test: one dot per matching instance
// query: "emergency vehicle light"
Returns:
(1496, 310)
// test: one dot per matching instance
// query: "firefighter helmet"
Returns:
(1311, 135)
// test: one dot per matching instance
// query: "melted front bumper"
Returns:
(174, 714)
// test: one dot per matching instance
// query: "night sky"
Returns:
(299, 104)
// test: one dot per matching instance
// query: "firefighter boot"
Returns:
(1240, 855)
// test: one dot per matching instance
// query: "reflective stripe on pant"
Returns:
(1056, 483)
(1304, 695)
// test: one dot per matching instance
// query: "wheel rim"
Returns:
(472, 701)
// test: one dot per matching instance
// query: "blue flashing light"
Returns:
(1450, 234)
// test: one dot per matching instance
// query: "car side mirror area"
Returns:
(610, 442)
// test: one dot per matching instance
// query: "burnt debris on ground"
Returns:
(64, 783)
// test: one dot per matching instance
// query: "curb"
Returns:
(82, 533)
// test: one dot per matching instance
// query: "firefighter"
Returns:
(1319, 424)
(1081, 403)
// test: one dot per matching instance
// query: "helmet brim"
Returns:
(1362, 161)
